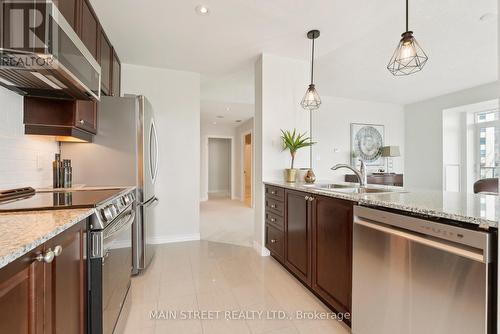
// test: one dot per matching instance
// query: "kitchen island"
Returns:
(311, 230)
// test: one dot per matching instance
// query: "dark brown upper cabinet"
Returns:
(67, 120)
(298, 235)
(105, 59)
(69, 9)
(89, 28)
(116, 81)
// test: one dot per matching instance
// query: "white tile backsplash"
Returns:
(24, 160)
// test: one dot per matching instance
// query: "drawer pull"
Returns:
(273, 206)
(273, 241)
(273, 192)
(273, 220)
(306, 198)
(48, 257)
(82, 121)
(311, 199)
(57, 250)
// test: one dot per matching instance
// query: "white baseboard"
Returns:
(263, 251)
(167, 239)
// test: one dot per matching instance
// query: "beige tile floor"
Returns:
(211, 276)
(226, 220)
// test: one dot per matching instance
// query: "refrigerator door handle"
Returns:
(153, 165)
(149, 202)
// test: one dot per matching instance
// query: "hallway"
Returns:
(227, 221)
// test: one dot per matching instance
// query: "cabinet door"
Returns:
(298, 235)
(22, 296)
(66, 283)
(68, 9)
(106, 57)
(332, 251)
(116, 82)
(89, 28)
(86, 115)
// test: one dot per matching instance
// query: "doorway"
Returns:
(219, 168)
(247, 169)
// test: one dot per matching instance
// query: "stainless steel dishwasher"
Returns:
(417, 276)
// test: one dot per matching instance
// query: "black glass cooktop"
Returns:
(60, 200)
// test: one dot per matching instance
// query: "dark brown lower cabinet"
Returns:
(66, 283)
(332, 251)
(39, 297)
(22, 295)
(298, 234)
(317, 243)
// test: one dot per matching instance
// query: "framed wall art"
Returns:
(366, 141)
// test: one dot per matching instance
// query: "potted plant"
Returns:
(293, 141)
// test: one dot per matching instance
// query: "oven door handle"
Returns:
(119, 226)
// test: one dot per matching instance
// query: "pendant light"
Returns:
(409, 57)
(311, 100)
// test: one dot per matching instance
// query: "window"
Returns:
(488, 131)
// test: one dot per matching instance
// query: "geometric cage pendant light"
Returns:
(311, 100)
(409, 56)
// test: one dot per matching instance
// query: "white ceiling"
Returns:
(357, 40)
(211, 111)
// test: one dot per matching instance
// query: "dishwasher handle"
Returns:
(476, 254)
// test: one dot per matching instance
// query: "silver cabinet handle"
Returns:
(311, 199)
(306, 198)
(82, 121)
(48, 257)
(273, 241)
(273, 206)
(273, 192)
(273, 219)
(58, 250)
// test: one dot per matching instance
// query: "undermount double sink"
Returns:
(350, 189)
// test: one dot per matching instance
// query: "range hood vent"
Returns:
(48, 60)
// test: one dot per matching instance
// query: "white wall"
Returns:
(175, 97)
(219, 166)
(424, 134)
(331, 130)
(24, 160)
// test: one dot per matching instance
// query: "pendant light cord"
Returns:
(310, 139)
(312, 63)
(406, 15)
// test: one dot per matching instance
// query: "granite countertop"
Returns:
(482, 210)
(21, 232)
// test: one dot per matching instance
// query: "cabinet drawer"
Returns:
(275, 220)
(276, 192)
(275, 242)
(275, 206)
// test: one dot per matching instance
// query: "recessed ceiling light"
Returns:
(238, 121)
(488, 17)
(219, 117)
(202, 10)
(214, 123)
(228, 109)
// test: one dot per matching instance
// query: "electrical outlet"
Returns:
(41, 161)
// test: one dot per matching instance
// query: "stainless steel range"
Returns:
(110, 262)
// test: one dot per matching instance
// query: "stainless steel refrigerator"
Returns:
(124, 152)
